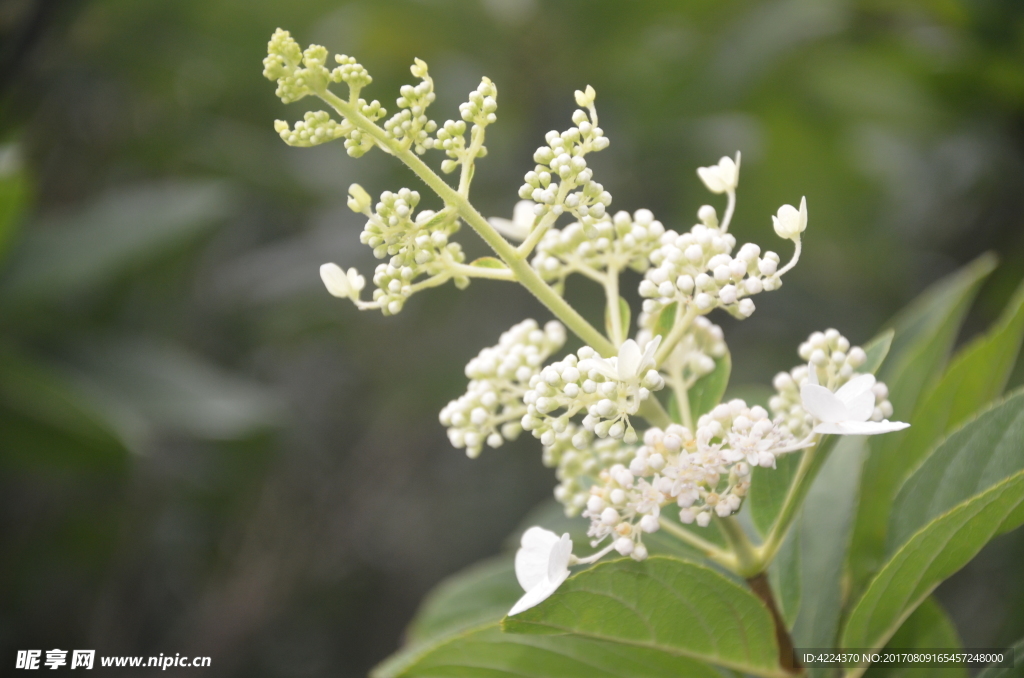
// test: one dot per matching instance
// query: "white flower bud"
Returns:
(790, 222)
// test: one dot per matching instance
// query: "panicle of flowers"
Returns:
(578, 469)
(417, 244)
(697, 270)
(608, 390)
(561, 181)
(490, 410)
(410, 125)
(611, 242)
(480, 112)
(836, 363)
(704, 473)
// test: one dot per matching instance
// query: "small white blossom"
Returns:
(518, 228)
(723, 177)
(542, 564)
(791, 222)
(848, 410)
(341, 284)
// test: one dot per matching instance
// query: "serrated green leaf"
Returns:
(663, 604)
(981, 454)
(488, 262)
(624, 318)
(932, 555)
(928, 628)
(486, 652)
(1016, 671)
(707, 391)
(924, 335)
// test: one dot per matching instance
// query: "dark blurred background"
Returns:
(202, 452)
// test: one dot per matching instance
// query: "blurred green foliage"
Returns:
(202, 452)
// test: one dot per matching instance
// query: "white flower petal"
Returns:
(629, 360)
(335, 280)
(861, 407)
(533, 557)
(558, 562)
(507, 228)
(712, 178)
(856, 386)
(647, 361)
(860, 428)
(535, 596)
(523, 216)
(822, 403)
(604, 367)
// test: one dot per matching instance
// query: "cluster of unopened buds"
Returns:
(619, 457)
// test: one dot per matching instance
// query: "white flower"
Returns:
(542, 564)
(723, 177)
(847, 411)
(521, 223)
(790, 222)
(631, 366)
(341, 284)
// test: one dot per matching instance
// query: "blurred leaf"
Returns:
(925, 333)
(707, 391)
(145, 387)
(661, 603)
(14, 193)
(1017, 671)
(486, 652)
(927, 629)
(933, 554)
(121, 230)
(47, 396)
(980, 455)
(877, 350)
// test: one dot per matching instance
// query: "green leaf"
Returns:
(877, 350)
(784, 576)
(707, 391)
(479, 594)
(1017, 671)
(663, 604)
(666, 319)
(981, 454)
(824, 524)
(932, 555)
(488, 262)
(486, 652)
(924, 335)
(122, 230)
(977, 375)
(14, 193)
(927, 628)
(624, 318)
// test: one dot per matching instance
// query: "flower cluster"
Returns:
(417, 244)
(696, 269)
(703, 473)
(834, 363)
(609, 390)
(480, 111)
(617, 243)
(578, 468)
(410, 126)
(562, 160)
(492, 406)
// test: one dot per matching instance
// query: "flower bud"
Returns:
(359, 200)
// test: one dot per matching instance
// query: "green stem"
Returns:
(682, 397)
(611, 292)
(482, 272)
(524, 273)
(653, 411)
(805, 473)
(713, 553)
(747, 562)
(679, 327)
